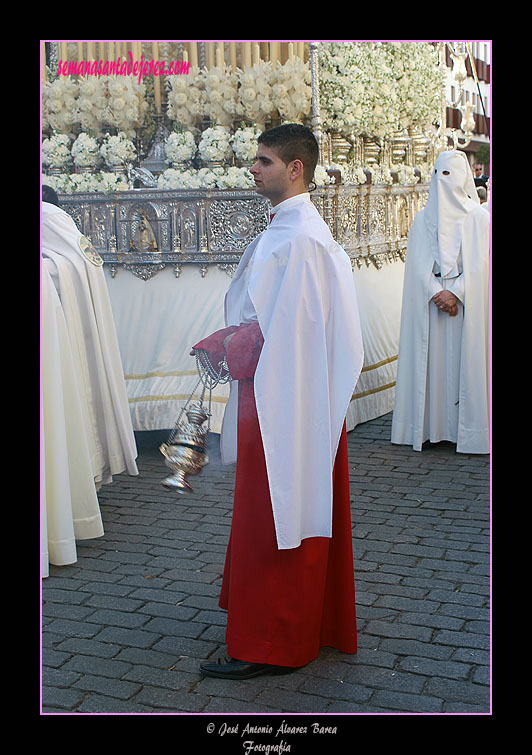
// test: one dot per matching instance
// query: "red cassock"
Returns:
(283, 605)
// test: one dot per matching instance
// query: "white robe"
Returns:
(70, 509)
(442, 385)
(85, 300)
(300, 284)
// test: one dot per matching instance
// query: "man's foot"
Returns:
(232, 668)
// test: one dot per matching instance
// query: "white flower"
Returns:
(244, 143)
(205, 178)
(56, 151)
(85, 151)
(375, 89)
(235, 178)
(180, 146)
(59, 104)
(109, 182)
(291, 90)
(405, 174)
(253, 80)
(187, 97)
(178, 179)
(125, 104)
(380, 175)
(321, 177)
(117, 150)
(61, 184)
(215, 144)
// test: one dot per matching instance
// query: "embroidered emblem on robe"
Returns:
(89, 251)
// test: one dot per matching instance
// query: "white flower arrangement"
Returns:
(425, 170)
(354, 176)
(406, 175)
(321, 177)
(110, 182)
(61, 184)
(180, 147)
(117, 150)
(375, 89)
(221, 95)
(244, 143)
(255, 93)
(420, 81)
(84, 182)
(208, 178)
(215, 144)
(380, 175)
(235, 178)
(91, 104)
(56, 151)
(85, 151)
(205, 178)
(291, 89)
(59, 104)
(172, 178)
(125, 105)
(187, 98)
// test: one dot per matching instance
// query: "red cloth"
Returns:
(214, 344)
(283, 605)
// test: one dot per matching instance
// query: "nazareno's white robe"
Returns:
(80, 283)
(442, 388)
(300, 284)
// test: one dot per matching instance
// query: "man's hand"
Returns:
(446, 302)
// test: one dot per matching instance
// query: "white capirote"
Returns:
(442, 386)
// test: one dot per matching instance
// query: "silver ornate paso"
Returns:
(185, 451)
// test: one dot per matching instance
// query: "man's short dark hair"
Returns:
(49, 195)
(293, 141)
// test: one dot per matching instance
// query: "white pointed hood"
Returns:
(452, 196)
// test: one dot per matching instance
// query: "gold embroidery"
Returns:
(379, 364)
(372, 390)
(89, 251)
(175, 397)
(147, 375)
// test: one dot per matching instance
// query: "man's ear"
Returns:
(296, 169)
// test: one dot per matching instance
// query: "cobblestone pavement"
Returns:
(125, 627)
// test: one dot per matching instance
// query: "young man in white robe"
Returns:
(294, 349)
(442, 389)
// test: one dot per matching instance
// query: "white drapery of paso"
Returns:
(158, 320)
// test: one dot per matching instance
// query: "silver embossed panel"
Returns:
(144, 230)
